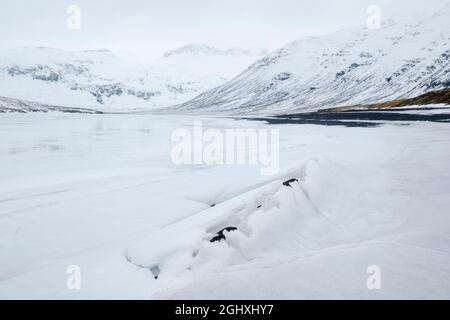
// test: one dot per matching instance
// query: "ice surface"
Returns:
(101, 192)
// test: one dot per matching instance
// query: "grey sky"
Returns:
(145, 28)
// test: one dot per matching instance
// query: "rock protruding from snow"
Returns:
(220, 235)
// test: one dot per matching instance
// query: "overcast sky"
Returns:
(144, 29)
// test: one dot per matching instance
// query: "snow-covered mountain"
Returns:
(10, 105)
(357, 65)
(101, 80)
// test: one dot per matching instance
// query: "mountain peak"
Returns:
(403, 58)
(201, 49)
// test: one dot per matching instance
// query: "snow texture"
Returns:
(100, 192)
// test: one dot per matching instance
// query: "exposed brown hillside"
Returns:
(434, 97)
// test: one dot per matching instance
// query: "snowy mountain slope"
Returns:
(101, 80)
(358, 65)
(9, 105)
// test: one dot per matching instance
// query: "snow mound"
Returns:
(279, 217)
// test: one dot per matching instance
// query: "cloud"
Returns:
(145, 29)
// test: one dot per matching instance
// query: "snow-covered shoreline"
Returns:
(94, 190)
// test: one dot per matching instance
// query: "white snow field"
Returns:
(101, 192)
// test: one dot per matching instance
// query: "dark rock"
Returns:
(220, 236)
(288, 183)
(340, 74)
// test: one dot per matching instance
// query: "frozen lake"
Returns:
(101, 192)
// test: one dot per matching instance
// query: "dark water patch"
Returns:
(350, 124)
(359, 118)
(399, 110)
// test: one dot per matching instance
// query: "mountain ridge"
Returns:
(99, 79)
(351, 66)
(200, 49)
